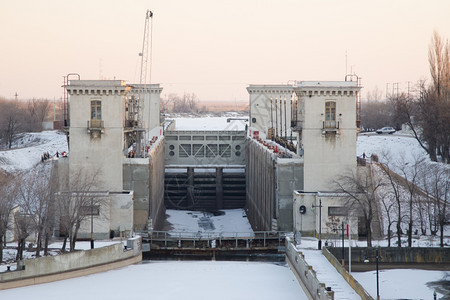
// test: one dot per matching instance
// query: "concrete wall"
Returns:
(150, 95)
(156, 186)
(289, 178)
(260, 186)
(261, 107)
(145, 176)
(309, 223)
(73, 264)
(270, 181)
(116, 214)
(396, 255)
(305, 273)
(136, 177)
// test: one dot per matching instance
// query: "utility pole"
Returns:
(319, 246)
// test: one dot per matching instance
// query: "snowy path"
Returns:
(327, 274)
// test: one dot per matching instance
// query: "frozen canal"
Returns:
(174, 280)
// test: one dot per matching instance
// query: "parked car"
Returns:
(389, 130)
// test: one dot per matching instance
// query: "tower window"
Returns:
(330, 114)
(96, 110)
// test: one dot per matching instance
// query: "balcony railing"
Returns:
(330, 125)
(95, 124)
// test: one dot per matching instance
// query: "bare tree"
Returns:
(8, 185)
(23, 224)
(36, 111)
(360, 190)
(77, 204)
(37, 200)
(186, 103)
(13, 123)
(376, 112)
(411, 175)
(437, 187)
(428, 116)
(395, 187)
(389, 207)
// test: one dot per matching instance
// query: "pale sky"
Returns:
(216, 48)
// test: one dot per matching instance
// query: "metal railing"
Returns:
(170, 237)
(95, 124)
(330, 125)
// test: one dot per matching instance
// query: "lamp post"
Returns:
(92, 224)
(377, 257)
(378, 284)
(343, 249)
(320, 223)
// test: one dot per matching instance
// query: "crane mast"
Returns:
(145, 47)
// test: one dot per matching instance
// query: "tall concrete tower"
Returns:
(270, 109)
(97, 117)
(327, 126)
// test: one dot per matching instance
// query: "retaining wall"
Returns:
(305, 273)
(348, 277)
(73, 264)
(389, 255)
(157, 210)
(270, 181)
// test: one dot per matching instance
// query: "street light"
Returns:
(320, 222)
(92, 224)
(377, 257)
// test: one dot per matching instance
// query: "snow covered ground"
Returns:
(174, 280)
(210, 123)
(27, 150)
(394, 284)
(402, 283)
(232, 223)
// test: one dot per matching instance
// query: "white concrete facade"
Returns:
(149, 94)
(99, 127)
(323, 213)
(100, 148)
(271, 107)
(327, 137)
(324, 117)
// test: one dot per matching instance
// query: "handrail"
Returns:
(171, 236)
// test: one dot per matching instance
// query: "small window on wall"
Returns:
(96, 110)
(93, 210)
(337, 211)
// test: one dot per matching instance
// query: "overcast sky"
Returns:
(216, 48)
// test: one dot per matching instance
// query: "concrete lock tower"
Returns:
(114, 129)
(96, 132)
(327, 126)
(327, 118)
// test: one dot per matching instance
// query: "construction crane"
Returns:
(146, 52)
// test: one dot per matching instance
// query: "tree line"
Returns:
(31, 206)
(425, 109)
(24, 116)
(411, 197)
